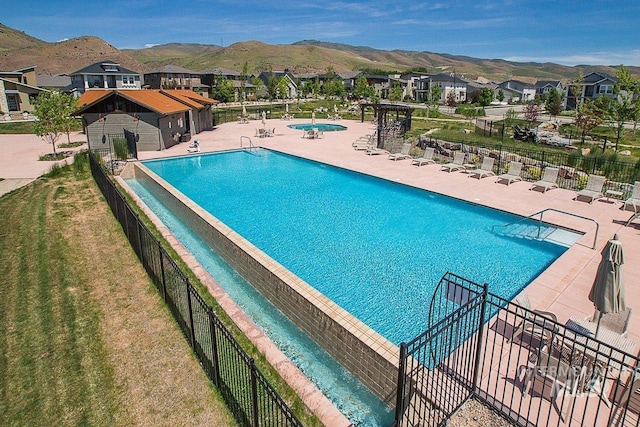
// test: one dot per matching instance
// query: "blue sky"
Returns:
(566, 32)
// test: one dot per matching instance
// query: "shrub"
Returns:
(120, 149)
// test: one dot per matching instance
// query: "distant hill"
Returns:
(18, 50)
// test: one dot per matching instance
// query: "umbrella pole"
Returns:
(598, 324)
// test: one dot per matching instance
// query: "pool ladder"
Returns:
(541, 213)
(251, 149)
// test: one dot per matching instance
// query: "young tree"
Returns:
(395, 94)
(622, 109)
(531, 113)
(243, 81)
(500, 95)
(282, 91)
(52, 111)
(451, 100)
(223, 90)
(553, 102)
(588, 117)
(69, 121)
(486, 96)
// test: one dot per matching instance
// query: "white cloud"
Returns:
(630, 58)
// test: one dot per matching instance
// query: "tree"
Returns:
(243, 81)
(69, 121)
(623, 107)
(451, 100)
(395, 94)
(52, 111)
(531, 113)
(553, 103)
(282, 91)
(500, 95)
(486, 96)
(223, 90)
(588, 117)
(434, 98)
(362, 88)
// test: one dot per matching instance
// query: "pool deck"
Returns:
(562, 288)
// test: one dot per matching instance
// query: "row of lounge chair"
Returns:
(593, 190)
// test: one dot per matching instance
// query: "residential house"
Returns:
(592, 86)
(448, 84)
(60, 82)
(150, 119)
(517, 92)
(290, 79)
(105, 75)
(379, 83)
(349, 79)
(175, 77)
(18, 89)
(544, 87)
(210, 76)
(410, 84)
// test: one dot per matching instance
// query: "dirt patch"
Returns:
(475, 414)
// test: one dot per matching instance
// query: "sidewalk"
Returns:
(19, 164)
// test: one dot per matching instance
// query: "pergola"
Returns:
(402, 113)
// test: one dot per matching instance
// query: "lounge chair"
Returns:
(513, 173)
(426, 159)
(634, 200)
(457, 164)
(375, 151)
(593, 190)
(403, 154)
(363, 142)
(486, 169)
(548, 180)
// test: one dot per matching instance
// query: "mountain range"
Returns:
(19, 50)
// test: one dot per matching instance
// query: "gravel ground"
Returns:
(474, 413)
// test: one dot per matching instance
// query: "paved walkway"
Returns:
(19, 164)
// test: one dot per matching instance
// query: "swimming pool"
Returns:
(325, 127)
(374, 247)
(335, 229)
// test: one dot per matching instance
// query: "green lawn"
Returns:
(85, 339)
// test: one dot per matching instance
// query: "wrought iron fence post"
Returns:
(254, 394)
(214, 349)
(192, 333)
(476, 367)
(402, 371)
(162, 277)
(542, 160)
(138, 226)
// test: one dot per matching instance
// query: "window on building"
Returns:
(605, 89)
(128, 80)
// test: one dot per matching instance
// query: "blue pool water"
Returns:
(374, 247)
(325, 127)
(347, 394)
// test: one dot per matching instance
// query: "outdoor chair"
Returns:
(548, 180)
(634, 200)
(457, 164)
(537, 323)
(593, 190)
(363, 143)
(426, 159)
(486, 169)
(565, 377)
(403, 154)
(513, 173)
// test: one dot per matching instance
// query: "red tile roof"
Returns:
(151, 99)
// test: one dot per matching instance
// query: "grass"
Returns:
(86, 339)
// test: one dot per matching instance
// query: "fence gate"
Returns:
(438, 368)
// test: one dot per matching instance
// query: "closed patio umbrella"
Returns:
(607, 292)
(264, 118)
(313, 118)
(244, 111)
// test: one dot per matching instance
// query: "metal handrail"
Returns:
(541, 213)
(250, 142)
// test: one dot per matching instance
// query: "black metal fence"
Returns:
(247, 393)
(520, 362)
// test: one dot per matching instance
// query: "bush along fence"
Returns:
(575, 167)
(247, 393)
